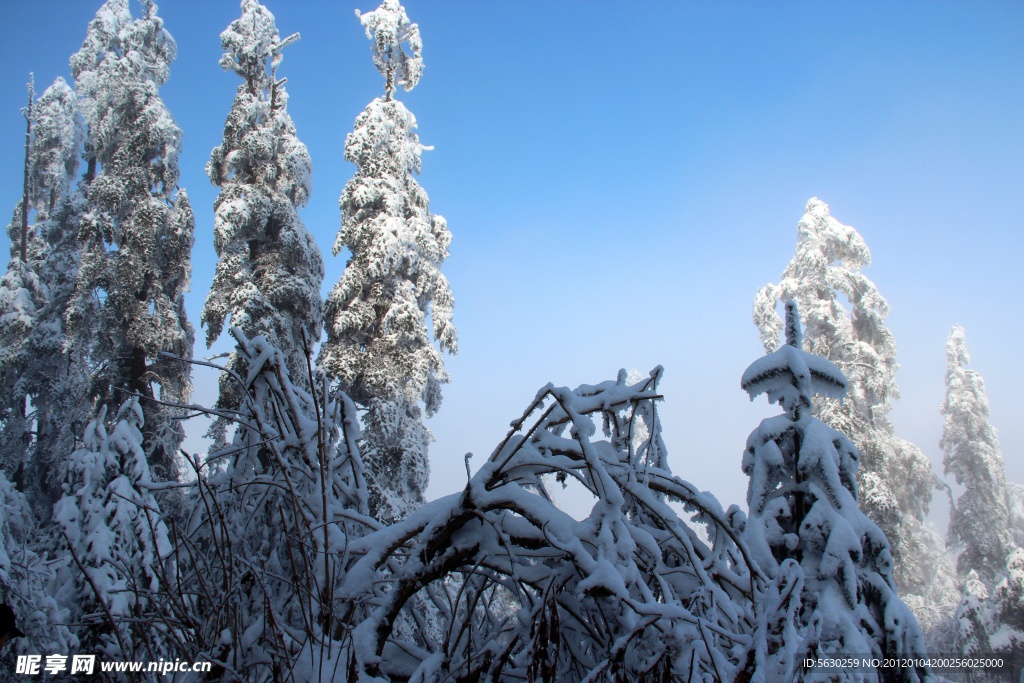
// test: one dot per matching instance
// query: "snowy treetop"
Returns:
(57, 136)
(388, 27)
(829, 257)
(115, 41)
(123, 58)
(249, 41)
(790, 375)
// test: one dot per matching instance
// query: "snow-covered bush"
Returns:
(273, 516)
(629, 592)
(895, 479)
(270, 268)
(113, 539)
(25, 578)
(378, 345)
(831, 591)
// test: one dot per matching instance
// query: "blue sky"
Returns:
(619, 179)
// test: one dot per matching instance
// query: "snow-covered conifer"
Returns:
(55, 369)
(895, 478)
(112, 537)
(21, 294)
(270, 269)
(137, 234)
(979, 522)
(831, 591)
(34, 298)
(378, 344)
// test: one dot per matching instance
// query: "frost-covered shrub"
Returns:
(113, 539)
(273, 517)
(25, 577)
(831, 591)
(270, 268)
(378, 344)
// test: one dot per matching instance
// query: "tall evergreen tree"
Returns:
(21, 295)
(895, 478)
(979, 522)
(137, 234)
(270, 269)
(831, 592)
(38, 362)
(378, 344)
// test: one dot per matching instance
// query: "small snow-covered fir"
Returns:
(895, 479)
(831, 591)
(113, 538)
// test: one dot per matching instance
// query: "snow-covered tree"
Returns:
(56, 371)
(38, 361)
(378, 343)
(270, 269)
(831, 592)
(137, 234)
(895, 479)
(112, 538)
(993, 623)
(25, 577)
(21, 295)
(979, 522)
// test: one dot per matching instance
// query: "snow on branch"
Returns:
(280, 572)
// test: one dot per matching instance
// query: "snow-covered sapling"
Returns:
(112, 537)
(895, 478)
(831, 591)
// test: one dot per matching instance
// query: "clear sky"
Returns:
(620, 178)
